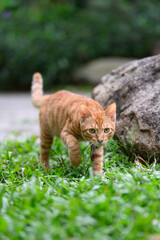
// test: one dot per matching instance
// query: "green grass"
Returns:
(75, 88)
(68, 203)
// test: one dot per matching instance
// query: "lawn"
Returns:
(68, 203)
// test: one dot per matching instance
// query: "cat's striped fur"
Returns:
(72, 117)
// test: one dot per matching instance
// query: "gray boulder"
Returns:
(135, 87)
(91, 72)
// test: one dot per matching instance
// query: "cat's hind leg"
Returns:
(97, 159)
(45, 146)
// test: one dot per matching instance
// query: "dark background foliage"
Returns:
(54, 37)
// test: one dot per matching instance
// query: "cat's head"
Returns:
(98, 127)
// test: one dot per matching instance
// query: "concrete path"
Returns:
(18, 118)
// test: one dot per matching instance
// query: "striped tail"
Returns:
(37, 90)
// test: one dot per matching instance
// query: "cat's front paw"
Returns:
(75, 160)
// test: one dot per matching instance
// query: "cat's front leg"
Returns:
(97, 159)
(73, 148)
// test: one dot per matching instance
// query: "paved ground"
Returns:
(18, 118)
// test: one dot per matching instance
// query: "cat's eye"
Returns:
(92, 130)
(106, 130)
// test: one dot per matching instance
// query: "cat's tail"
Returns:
(37, 90)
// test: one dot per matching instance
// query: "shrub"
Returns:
(54, 38)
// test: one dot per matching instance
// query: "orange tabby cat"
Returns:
(72, 117)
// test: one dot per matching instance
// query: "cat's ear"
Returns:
(84, 113)
(111, 111)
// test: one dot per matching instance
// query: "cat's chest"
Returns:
(79, 137)
(75, 130)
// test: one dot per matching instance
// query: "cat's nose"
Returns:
(100, 140)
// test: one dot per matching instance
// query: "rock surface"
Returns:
(135, 87)
(94, 70)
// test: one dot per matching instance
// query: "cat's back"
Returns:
(71, 101)
(62, 106)
(64, 95)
